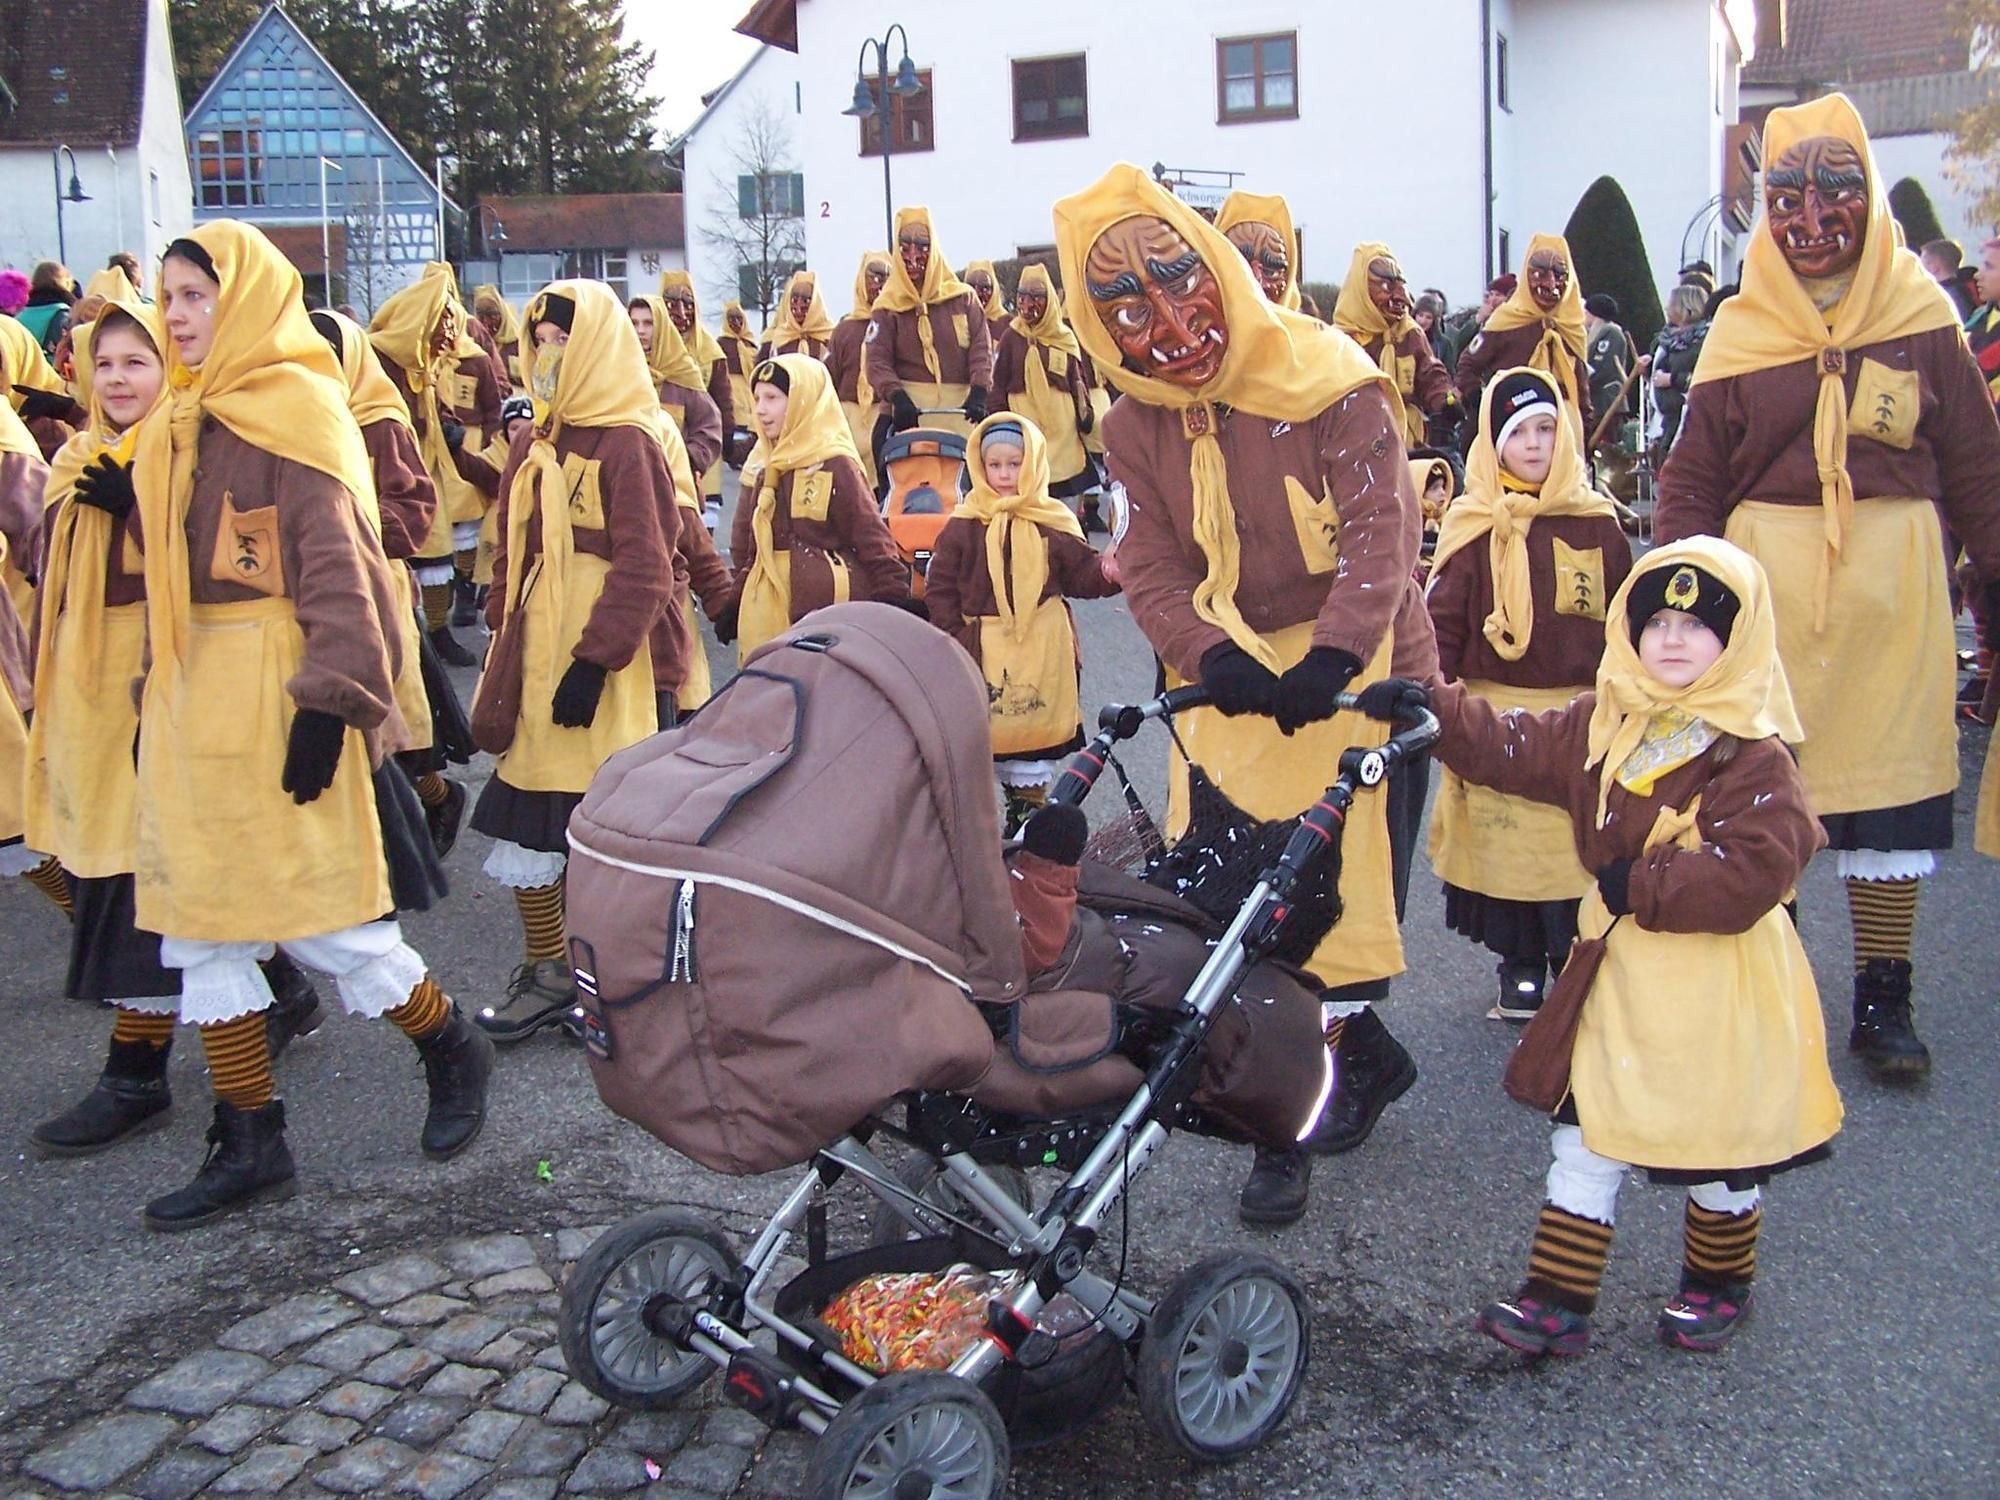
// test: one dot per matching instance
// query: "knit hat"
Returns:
(13, 291)
(1691, 590)
(1504, 284)
(770, 372)
(1002, 435)
(1602, 305)
(558, 310)
(1517, 397)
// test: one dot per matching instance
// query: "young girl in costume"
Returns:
(1436, 487)
(1700, 1053)
(1526, 561)
(1005, 562)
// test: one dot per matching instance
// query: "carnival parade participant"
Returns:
(677, 291)
(1269, 557)
(496, 314)
(1260, 226)
(582, 572)
(278, 821)
(23, 478)
(1700, 1054)
(1038, 373)
(1526, 563)
(811, 536)
(677, 376)
(802, 325)
(1835, 415)
(1374, 310)
(681, 679)
(1539, 325)
(739, 353)
(1003, 567)
(985, 284)
(930, 347)
(847, 362)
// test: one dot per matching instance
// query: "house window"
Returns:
(1257, 78)
(611, 269)
(757, 286)
(1502, 90)
(521, 276)
(229, 168)
(1051, 100)
(771, 195)
(909, 119)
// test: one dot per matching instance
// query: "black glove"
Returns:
(903, 411)
(575, 702)
(1614, 883)
(725, 625)
(108, 486)
(312, 754)
(1235, 681)
(1086, 420)
(36, 403)
(1311, 690)
(975, 404)
(911, 604)
(1392, 698)
(454, 434)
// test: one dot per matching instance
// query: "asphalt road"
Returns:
(1867, 1368)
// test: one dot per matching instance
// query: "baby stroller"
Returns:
(925, 466)
(807, 1025)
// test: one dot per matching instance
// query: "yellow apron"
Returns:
(1031, 687)
(1100, 407)
(861, 427)
(224, 854)
(928, 394)
(411, 699)
(13, 758)
(1874, 689)
(1056, 416)
(755, 626)
(83, 793)
(698, 688)
(544, 758)
(739, 397)
(711, 482)
(1701, 1050)
(1500, 846)
(1986, 825)
(1270, 776)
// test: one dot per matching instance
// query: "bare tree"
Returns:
(758, 221)
(367, 280)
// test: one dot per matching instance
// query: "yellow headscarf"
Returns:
(1563, 336)
(371, 395)
(995, 306)
(23, 363)
(1773, 321)
(903, 295)
(1016, 591)
(736, 324)
(1051, 332)
(1745, 693)
(113, 285)
(1356, 315)
(814, 431)
(1279, 365)
(269, 378)
(862, 311)
(1241, 207)
(401, 334)
(486, 294)
(115, 289)
(1491, 505)
(668, 361)
(701, 343)
(784, 328)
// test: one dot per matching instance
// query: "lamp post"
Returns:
(876, 103)
(325, 236)
(73, 194)
(488, 238)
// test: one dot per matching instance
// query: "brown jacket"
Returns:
(958, 590)
(473, 381)
(1757, 832)
(700, 424)
(1490, 353)
(698, 568)
(408, 499)
(964, 347)
(483, 337)
(1420, 375)
(815, 348)
(638, 526)
(844, 353)
(1749, 437)
(853, 531)
(1353, 452)
(1568, 635)
(721, 394)
(1010, 373)
(23, 478)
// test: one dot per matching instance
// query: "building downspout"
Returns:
(1486, 128)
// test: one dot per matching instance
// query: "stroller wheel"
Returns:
(933, 1187)
(1224, 1355)
(915, 1433)
(607, 1338)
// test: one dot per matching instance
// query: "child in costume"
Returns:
(1700, 1051)
(1004, 564)
(1526, 561)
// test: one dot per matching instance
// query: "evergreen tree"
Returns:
(1911, 206)
(584, 118)
(1610, 256)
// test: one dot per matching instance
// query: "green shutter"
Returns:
(746, 196)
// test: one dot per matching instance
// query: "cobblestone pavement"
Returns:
(433, 1373)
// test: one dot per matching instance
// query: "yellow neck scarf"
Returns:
(1242, 207)
(1356, 315)
(861, 312)
(1495, 504)
(701, 343)
(1563, 336)
(818, 324)
(993, 305)
(1013, 524)
(1051, 332)
(1744, 694)
(1280, 365)
(813, 432)
(269, 378)
(1773, 321)
(669, 361)
(903, 295)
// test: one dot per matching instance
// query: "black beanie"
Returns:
(1692, 590)
(1602, 305)
(1057, 832)
(770, 372)
(558, 310)
(1514, 396)
(328, 330)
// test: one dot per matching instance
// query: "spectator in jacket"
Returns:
(1674, 354)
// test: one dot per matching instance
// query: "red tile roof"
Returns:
(587, 221)
(76, 69)
(773, 22)
(1859, 41)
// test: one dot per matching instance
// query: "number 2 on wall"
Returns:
(825, 209)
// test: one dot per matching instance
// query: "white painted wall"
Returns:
(710, 167)
(1922, 157)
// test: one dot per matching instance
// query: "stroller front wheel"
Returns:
(912, 1433)
(608, 1339)
(1224, 1354)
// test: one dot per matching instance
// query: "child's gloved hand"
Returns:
(1614, 887)
(1392, 698)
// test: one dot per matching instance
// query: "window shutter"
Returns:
(746, 196)
(746, 285)
(796, 206)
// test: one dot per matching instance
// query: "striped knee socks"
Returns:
(425, 1013)
(542, 921)
(142, 1026)
(1566, 1260)
(239, 1061)
(1721, 1248)
(48, 878)
(1884, 913)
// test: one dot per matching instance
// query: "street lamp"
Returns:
(877, 103)
(74, 194)
(497, 235)
(325, 238)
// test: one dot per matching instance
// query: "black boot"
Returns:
(130, 1097)
(450, 652)
(443, 820)
(1371, 1070)
(1275, 1192)
(1885, 1032)
(247, 1161)
(294, 1008)
(464, 601)
(457, 1063)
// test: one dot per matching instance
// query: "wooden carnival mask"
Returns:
(1159, 301)
(1269, 256)
(1816, 199)
(1548, 279)
(1387, 289)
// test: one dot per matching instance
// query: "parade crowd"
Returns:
(243, 540)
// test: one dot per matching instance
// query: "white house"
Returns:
(99, 81)
(1453, 129)
(623, 239)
